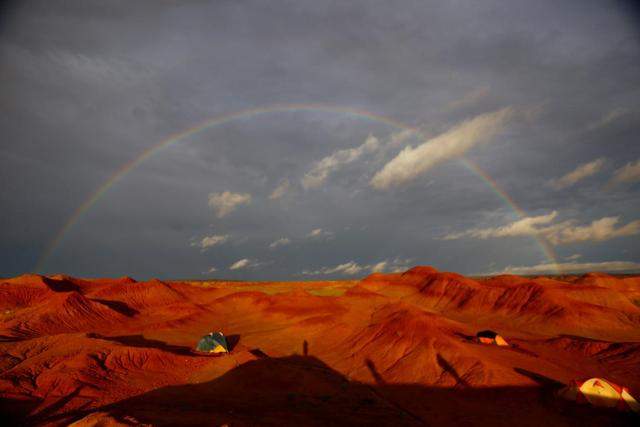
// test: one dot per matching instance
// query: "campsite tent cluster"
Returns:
(601, 393)
(594, 391)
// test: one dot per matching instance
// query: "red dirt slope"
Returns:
(391, 349)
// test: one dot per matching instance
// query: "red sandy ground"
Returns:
(392, 349)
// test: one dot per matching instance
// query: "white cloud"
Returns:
(315, 232)
(468, 99)
(392, 266)
(280, 190)
(243, 263)
(323, 168)
(557, 234)
(397, 138)
(352, 268)
(319, 233)
(413, 162)
(627, 174)
(522, 227)
(581, 172)
(608, 118)
(379, 267)
(398, 267)
(571, 267)
(209, 241)
(94, 69)
(226, 202)
(598, 231)
(280, 242)
(573, 257)
(247, 263)
(349, 268)
(211, 270)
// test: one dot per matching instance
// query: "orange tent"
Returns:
(601, 393)
(490, 337)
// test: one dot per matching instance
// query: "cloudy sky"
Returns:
(340, 137)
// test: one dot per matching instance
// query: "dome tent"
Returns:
(491, 337)
(601, 393)
(214, 342)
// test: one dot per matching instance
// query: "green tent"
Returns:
(213, 343)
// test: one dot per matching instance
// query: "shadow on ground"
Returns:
(118, 306)
(302, 390)
(140, 341)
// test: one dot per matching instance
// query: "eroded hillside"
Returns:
(391, 349)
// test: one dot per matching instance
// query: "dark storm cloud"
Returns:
(89, 85)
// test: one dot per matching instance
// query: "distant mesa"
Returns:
(421, 270)
(28, 280)
(596, 274)
(114, 281)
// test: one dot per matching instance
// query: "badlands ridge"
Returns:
(391, 349)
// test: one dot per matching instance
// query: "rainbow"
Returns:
(543, 243)
(174, 138)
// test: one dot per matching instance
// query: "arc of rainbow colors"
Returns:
(124, 170)
(543, 243)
